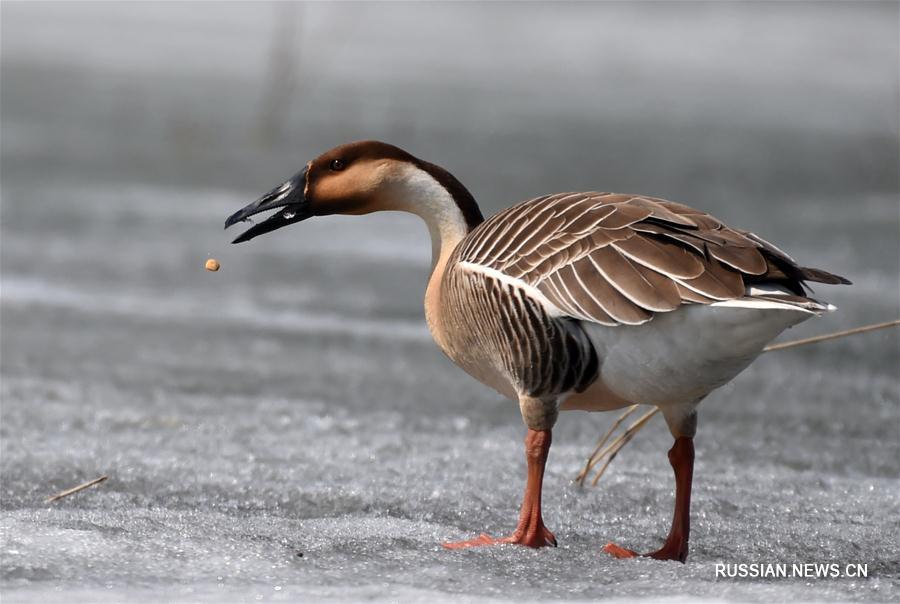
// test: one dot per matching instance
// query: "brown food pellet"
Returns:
(212, 265)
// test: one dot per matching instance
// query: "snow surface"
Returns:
(293, 402)
(246, 416)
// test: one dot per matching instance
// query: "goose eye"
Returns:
(337, 165)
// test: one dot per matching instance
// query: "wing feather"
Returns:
(664, 287)
(666, 257)
(588, 220)
(717, 282)
(744, 259)
(690, 296)
(631, 283)
(575, 297)
(601, 292)
(661, 212)
(498, 248)
(602, 237)
(680, 237)
(625, 215)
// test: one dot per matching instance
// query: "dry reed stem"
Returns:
(832, 336)
(588, 466)
(74, 490)
(623, 440)
(613, 448)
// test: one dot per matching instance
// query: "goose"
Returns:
(572, 301)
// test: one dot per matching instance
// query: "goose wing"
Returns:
(618, 259)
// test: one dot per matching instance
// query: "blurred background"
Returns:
(294, 401)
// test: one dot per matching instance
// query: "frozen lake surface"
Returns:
(293, 403)
(246, 417)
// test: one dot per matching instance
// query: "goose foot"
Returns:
(538, 538)
(681, 456)
(666, 552)
(617, 551)
(530, 530)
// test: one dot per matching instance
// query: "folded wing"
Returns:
(618, 259)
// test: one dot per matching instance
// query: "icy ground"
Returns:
(248, 417)
(294, 403)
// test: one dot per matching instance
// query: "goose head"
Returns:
(360, 178)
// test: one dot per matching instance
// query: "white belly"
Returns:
(679, 357)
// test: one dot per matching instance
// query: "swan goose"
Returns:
(590, 301)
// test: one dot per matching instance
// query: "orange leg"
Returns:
(531, 530)
(681, 456)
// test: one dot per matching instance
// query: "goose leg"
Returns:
(681, 456)
(530, 530)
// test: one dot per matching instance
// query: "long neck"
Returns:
(446, 226)
(447, 208)
(450, 213)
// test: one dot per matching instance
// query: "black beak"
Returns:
(288, 195)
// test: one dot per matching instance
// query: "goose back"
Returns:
(618, 259)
